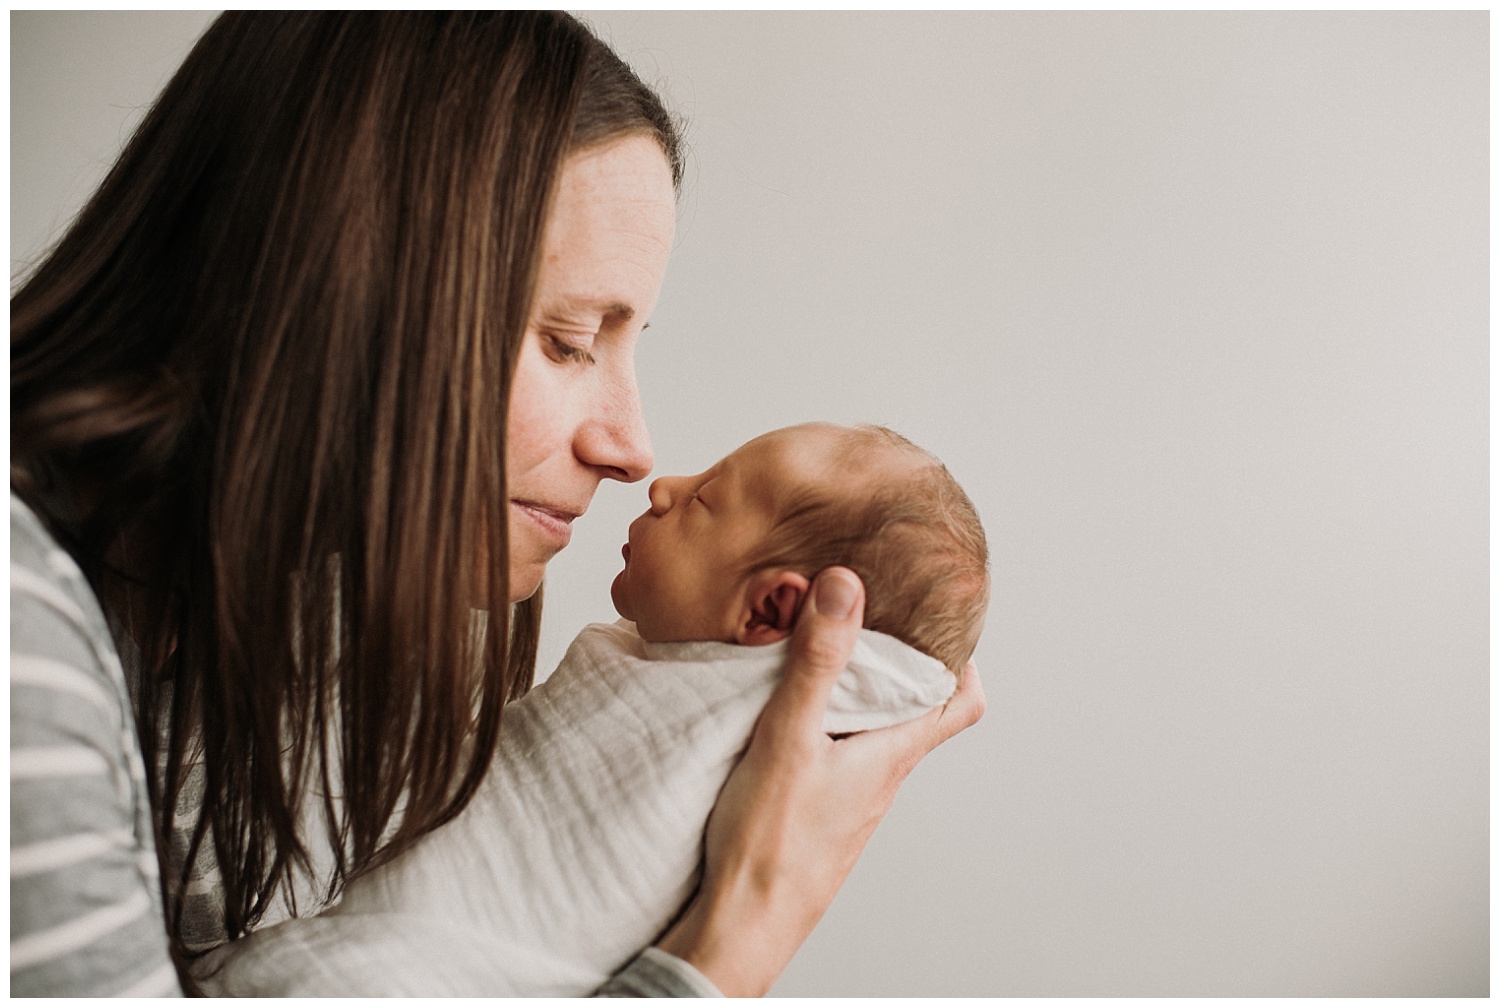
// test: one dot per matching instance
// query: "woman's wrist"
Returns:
(735, 940)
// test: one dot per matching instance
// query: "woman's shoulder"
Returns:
(85, 909)
(37, 556)
(53, 609)
(32, 547)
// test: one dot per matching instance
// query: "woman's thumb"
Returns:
(821, 645)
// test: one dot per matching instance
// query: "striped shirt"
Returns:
(85, 904)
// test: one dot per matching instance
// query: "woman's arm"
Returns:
(797, 811)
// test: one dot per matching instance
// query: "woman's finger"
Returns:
(907, 744)
(822, 642)
(963, 709)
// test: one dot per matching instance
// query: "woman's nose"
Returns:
(617, 440)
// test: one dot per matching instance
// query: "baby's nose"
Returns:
(661, 496)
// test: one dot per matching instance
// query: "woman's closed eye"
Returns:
(566, 350)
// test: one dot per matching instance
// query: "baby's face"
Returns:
(683, 576)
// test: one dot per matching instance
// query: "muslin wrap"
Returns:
(585, 839)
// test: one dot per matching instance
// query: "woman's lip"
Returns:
(554, 522)
(561, 514)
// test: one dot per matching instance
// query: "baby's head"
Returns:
(730, 554)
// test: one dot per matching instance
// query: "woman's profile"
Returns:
(302, 404)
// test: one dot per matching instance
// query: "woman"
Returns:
(354, 314)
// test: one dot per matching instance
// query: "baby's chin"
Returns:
(648, 623)
(619, 594)
(651, 622)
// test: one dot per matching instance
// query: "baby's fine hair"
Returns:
(910, 533)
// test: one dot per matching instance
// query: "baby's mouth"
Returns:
(625, 552)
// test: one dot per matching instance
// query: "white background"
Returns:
(1195, 305)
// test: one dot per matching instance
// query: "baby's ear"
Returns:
(773, 598)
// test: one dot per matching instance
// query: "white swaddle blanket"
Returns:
(586, 837)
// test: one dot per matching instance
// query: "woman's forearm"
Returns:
(735, 940)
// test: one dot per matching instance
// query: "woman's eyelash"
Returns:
(570, 352)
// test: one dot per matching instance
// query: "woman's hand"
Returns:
(798, 809)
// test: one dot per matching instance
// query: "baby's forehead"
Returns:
(791, 450)
(823, 457)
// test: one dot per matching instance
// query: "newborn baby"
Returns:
(586, 837)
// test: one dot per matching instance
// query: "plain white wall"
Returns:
(1195, 305)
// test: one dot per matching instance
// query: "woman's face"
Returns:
(575, 412)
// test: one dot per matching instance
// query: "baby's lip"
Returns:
(625, 552)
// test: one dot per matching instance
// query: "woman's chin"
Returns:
(525, 582)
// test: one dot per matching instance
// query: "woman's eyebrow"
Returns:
(583, 305)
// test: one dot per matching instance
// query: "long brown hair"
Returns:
(259, 391)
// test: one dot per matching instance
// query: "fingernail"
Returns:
(835, 593)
